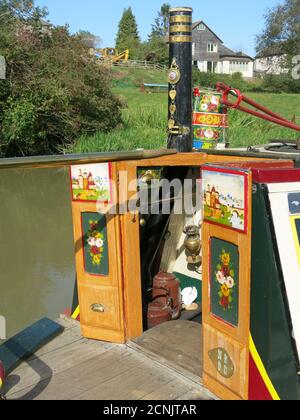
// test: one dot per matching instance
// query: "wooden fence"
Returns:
(137, 64)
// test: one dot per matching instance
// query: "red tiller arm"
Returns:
(265, 113)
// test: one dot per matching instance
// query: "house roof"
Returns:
(223, 50)
(194, 26)
(229, 53)
(274, 49)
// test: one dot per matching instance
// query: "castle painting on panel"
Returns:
(91, 182)
(225, 197)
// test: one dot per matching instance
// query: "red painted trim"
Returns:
(221, 169)
(2, 374)
(110, 185)
(223, 119)
(84, 260)
(271, 176)
(263, 112)
(258, 390)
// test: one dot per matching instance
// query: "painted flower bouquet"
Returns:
(225, 278)
(95, 242)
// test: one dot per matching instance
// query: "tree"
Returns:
(55, 90)
(157, 46)
(88, 39)
(161, 23)
(282, 32)
(128, 35)
(22, 9)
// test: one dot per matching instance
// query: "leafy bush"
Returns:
(268, 83)
(55, 91)
(210, 79)
(283, 83)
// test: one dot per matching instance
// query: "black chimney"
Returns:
(180, 79)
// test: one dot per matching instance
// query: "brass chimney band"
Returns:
(180, 38)
(180, 19)
(180, 28)
(177, 10)
(180, 25)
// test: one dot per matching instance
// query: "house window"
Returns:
(201, 27)
(213, 48)
(238, 66)
(211, 66)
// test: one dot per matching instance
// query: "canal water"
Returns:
(37, 274)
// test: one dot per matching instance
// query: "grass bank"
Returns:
(145, 118)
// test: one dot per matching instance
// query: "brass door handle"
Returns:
(97, 307)
(143, 222)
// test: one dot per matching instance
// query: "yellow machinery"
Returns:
(112, 55)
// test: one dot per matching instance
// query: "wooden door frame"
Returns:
(235, 340)
(130, 229)
(111, 283)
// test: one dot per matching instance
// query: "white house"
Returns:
(211, 55)
(271, 64)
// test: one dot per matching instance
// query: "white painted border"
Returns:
(278, 194)
(284, 187)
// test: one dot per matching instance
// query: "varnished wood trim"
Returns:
(243, 242)
(239, 335)
(189, 159)
(219, 390)
(111, 285)
(130, 239)
(110, 336)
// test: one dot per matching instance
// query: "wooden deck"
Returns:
(176, 345)
(71, 367)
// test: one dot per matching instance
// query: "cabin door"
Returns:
(97, 251)
(226, 280)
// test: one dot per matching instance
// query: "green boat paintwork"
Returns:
(228, 313)
(101, 268)
(186, 281)
(270, 319)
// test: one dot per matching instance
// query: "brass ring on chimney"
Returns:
(180, 28)
(180, 34)
(180, 25)
(180, 38)
(180, 19)
(176, 10)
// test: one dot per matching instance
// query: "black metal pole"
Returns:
(180, 79)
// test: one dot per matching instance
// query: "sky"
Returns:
(236, 22)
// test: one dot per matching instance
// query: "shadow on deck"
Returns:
(164, 364)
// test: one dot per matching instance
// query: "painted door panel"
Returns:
(98, 267)
(226, 281)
